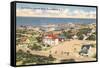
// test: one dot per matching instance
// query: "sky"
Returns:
(60, 11)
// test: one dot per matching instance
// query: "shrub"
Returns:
(28, 58)
(94, 55)
(85, 30)
(93, 45)
(35, 47)
(92, 37)
(67, 60)
(81, 37)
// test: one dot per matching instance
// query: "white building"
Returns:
(50, 40)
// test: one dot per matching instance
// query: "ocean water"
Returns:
(43, 20)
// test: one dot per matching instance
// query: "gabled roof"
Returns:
(52, 36)
(87, 46)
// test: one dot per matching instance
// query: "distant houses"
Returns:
(61, 32)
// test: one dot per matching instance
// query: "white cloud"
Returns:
(93, 12)
(65, 13)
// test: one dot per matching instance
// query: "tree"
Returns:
(35, 47)
(92, 37)
(83, 31)
(39, 39)
(80, 36)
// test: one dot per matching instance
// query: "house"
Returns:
(85, 50)
(24, 40)
(50, 39)
(75, 37)
(62, 37)
(53, 39)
